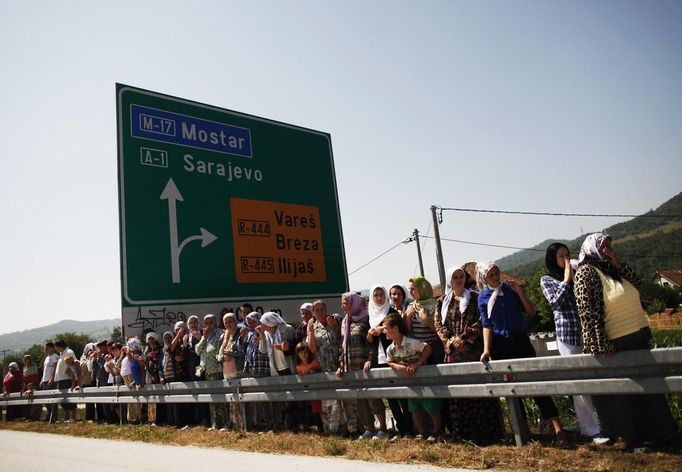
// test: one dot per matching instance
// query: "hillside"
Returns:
(648, 244)
(21, 340)
(525, 256)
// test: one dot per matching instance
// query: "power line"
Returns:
(541, 213)
(502, 246)
(377, 257)
(541, 250)
(486, 244)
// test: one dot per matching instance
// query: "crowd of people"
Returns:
(596, 310)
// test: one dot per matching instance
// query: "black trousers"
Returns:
(519, 347)
(635, 418)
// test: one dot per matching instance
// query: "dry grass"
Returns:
(535, 456)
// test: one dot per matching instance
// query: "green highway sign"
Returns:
(220, 207)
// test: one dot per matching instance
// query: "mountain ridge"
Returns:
(21, 340)
(647, 243)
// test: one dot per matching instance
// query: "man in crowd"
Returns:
(47, 381)
(65, 377)
(244, 311)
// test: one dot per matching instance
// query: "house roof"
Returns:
(673, 276)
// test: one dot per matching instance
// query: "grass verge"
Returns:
(535, 456)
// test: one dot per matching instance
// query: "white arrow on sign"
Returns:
(172, 194)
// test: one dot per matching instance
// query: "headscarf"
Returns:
(229, 315)
(406, 296)
(152, 335)
(134, 344)
(190, 319)
(553, 268)
(168, 333)
(14, 364)
(482, 269)
(88, 348)
(272, 319)
(181, 324)
(357, 313)
(307, 306)
(450, 293)
(425, 291)
(377, 313)
(254, 316)
(590, 254)
(216, 328)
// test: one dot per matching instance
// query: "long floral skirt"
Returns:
(478, 420)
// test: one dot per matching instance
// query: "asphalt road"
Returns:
(26, 452)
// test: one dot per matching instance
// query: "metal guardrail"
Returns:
(631, 372)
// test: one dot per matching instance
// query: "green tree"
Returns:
(116, 335)
(76, 342)
(534, 293)
(656, 298)
(655, 305)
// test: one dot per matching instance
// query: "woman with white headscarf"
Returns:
(612, 320)
(87, 378)
(502, 306)
(378, 308)
(278, 341)
(278, 345)
(132, 372)
(458, 323)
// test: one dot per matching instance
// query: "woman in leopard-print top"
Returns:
(590, 300)
(612, 320)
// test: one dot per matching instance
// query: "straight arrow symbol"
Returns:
(172, 194)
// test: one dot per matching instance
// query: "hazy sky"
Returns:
(564, 106)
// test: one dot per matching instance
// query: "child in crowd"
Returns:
(307, 363)
(405, 355)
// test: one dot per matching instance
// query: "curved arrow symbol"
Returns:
(206, 238)
(172, 194)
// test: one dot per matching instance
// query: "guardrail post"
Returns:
(242, 407)
(517, 420)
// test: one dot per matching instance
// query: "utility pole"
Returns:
(439, 249)
(415, 238)
(415, 235)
